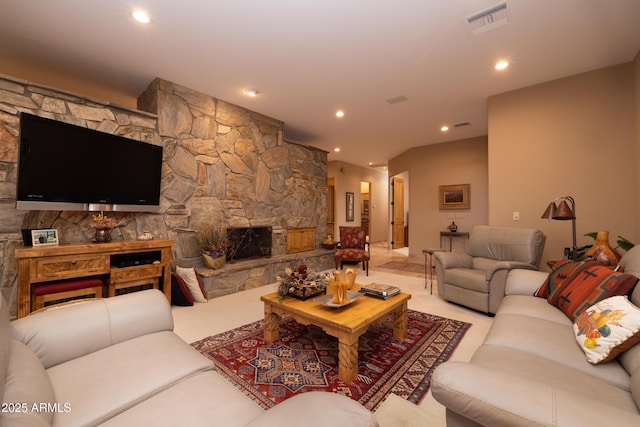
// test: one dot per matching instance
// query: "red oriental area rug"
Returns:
(306, 359)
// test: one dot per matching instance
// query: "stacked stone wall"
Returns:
(221, 163)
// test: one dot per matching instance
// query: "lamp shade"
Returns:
(563, 212)
(550, 211)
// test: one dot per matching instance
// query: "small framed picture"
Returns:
(350, 206)
(44, 237)
(454, 196)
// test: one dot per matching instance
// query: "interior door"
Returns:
(397, 207)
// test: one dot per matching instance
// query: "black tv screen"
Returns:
(68, 167)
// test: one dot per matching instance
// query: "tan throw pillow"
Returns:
(194, 285)
(607, 329)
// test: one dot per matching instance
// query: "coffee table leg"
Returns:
(348, 358)
(271, 325)
(400, 322)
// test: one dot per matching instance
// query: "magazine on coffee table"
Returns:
(379, 291)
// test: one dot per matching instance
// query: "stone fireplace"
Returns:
(221, 163)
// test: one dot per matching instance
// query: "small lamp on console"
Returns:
(559, 209)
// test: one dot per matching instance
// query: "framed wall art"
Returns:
(44, 237)
(454, 196)
(350, 206)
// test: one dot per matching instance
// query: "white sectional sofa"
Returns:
(116, 362)
(530, 370)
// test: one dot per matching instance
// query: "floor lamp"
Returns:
(559, 209)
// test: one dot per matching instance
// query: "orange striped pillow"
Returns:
(587, 286)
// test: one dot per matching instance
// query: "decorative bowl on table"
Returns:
(328, 299)
(301, 282)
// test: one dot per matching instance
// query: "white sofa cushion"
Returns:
(538, 308)
(109, 381)
(537, 368)
(205, 399)
(60, 334)
(551, 341)
(316, 409)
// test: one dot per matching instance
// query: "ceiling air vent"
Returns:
(461, 125)
(488, 19)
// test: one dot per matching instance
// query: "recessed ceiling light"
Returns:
(337, 150)
(501, 65)
(253, 92)
(141, 16)
(444, 128)
(339, 113)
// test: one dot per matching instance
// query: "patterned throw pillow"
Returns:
(561, 271)
(588, 285)
(193, 282)
(607, 329)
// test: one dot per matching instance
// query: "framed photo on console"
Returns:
(454, 196)
(44, 237)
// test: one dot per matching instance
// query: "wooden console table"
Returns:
(76, 260)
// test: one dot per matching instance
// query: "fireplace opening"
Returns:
(249, 242)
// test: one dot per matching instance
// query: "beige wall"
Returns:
(348, 178)
(574, 136)
(67, 80)
(428, 167)
(636, 80)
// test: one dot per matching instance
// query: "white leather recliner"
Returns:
(477, 277)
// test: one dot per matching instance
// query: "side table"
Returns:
(429, 266)
(451, 235)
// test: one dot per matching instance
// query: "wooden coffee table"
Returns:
(345, 323)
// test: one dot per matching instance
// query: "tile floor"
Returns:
(224, 313)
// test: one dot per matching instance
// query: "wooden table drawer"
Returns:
(136, 272)
(64, 267)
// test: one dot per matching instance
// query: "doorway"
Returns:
(399, 202)
(365, 207)
(331, 207)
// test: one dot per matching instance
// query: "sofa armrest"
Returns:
(495, 398)
(453, 260)
(60, 334)
(509, 265)
(524, 282)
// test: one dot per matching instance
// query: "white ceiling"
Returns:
(309, 58)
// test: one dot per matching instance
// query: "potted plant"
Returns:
(214, 245)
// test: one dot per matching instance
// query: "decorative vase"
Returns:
(339, 292)
(602, 252)
(453, 227)
(349, 277)
(103, 235)
(214, 263)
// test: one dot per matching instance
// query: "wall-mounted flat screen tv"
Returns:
(67, 167)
